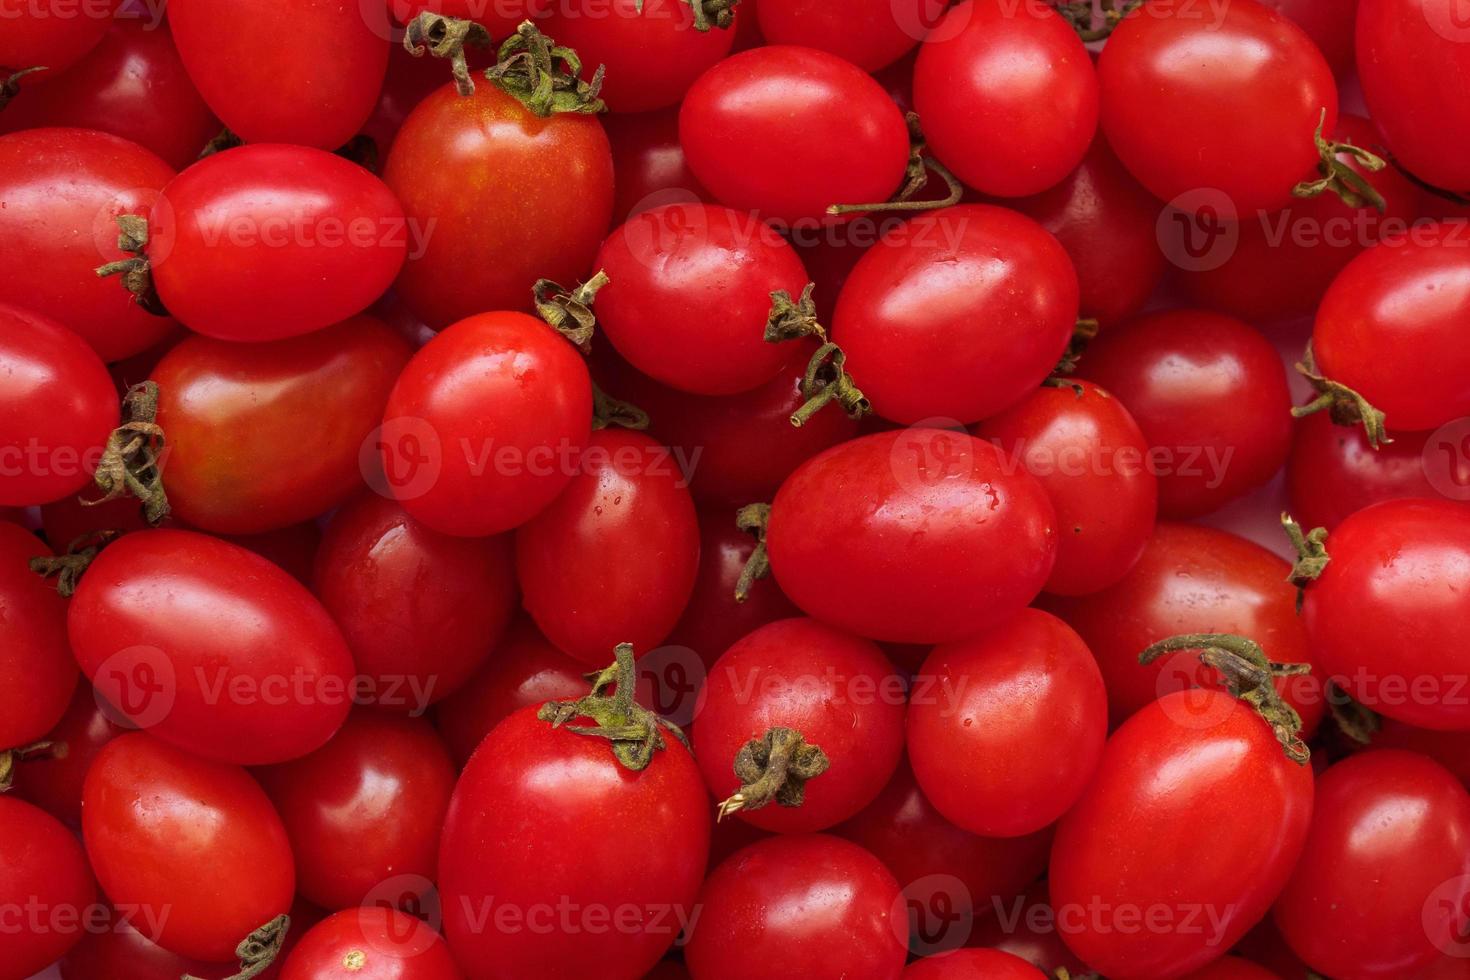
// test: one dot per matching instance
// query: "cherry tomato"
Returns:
(419, 609)
(980, 707)
(1008, 100)
(850, 922)
(649, 163)
(1225, 103)
(264, 242)
(958, 315)
(483, 426)
(53, 33)
(1381, 887)
(1209, 393)
(46, 888)
(59, 192)
(878, 536)
(37, 674)
(965, 964)
(788, 131)
(371, 944)
(210, 647)
(254, 61)
(498, 198)
(53, 779)
(1089, 455)
(196, 842)
(1139, 893)
(869, 33)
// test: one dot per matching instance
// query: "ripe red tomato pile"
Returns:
(734, 490)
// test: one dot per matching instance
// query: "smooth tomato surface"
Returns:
(43, 870)
(37, 672)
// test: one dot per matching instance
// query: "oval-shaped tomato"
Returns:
(269, 241)
(46, 888)
(59, 192)
(37, 673)
(966, 964)
(194, 842)
(1382, 886)
(210, 647)
(420, 610)
(958, 315)
(52, 33)
(497, 198)
(1225, 103)
(869, 33)
(485, 424)
(613, 559)
(265, 71)
(880, 536)
(53, 779)
(372, 943)
(787, 131)
(1136, 890)
(649, 163)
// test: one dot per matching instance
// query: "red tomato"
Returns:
(1389, 617)
(499, 198)
(409, 81)
(788, 131)
(1329, 23)
(59, 192)
(195, 843)
(371, 944)
(1028, 928)
(979, 709)
(1449, 749)
(690, 294)
(499, 17)
(1390, 328)
(37, 674)
(484, 424)
(868, 33)
(895, 513)
(958, 315)
(120, 952)
(649, 163)
(970, 964)
(1008, 99)
(264, 242)
(419, 609)
(210, 647)
(1137, 894)
(53, 779)
(1089, 455)
(54, 33)
(1225, 103)
(1232, 968)
(57, 409)
(1193, 580)
(1209, 393)
(613, 559)
(254, 74)
(1382, 886)
(849, 924)
(45, 887)
(364, 809)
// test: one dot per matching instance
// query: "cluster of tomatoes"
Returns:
(734, 489)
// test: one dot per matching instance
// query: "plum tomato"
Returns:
(37, 673)
(46, 884)
(969, 964)
(871, 34)
(372, 943)
(53, 779)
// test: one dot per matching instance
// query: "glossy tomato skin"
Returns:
(372, 943)
(964, 964)
(1387, 328)
(849, 928)
(1381, 887)
(169, 832)
(1008, 97)
(210, 647)
(512, 198)
(871, 34)
(1387, 616)
(649, 163)
(690, 294)
(59, 192)
(1132, 843)
(269, 241)
(1186, 98)
(253, 74)
(1090, 456)
(526, 829)
(46, 872)
(837, 690)
(57, 409)
(613, 559)
(787, 131)
(1209, 393)
(1031, 682)
(896, 510)
(482, 422)
(53, 781)
(419, 609)
(51, 33)
(37, 674)
(958, 316)
(365, 808)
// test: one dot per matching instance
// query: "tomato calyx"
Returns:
(445, 37)
(569, 311)
(1339, 178)
(774, 769)
(545, 76)
(26, 753)
(1357, 721)
(1094, 25)
(608, 411)
(635, 732)
(710, 13)
(1346, 406)
(753, 520)
(78, 557)
(132, 460)
(10, 87)
(137, 277)
(1311, 556)
(916, 177)
(826, 378)
(1062, 973)
(258, 950)
(1082, 334)
(1249, 676)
